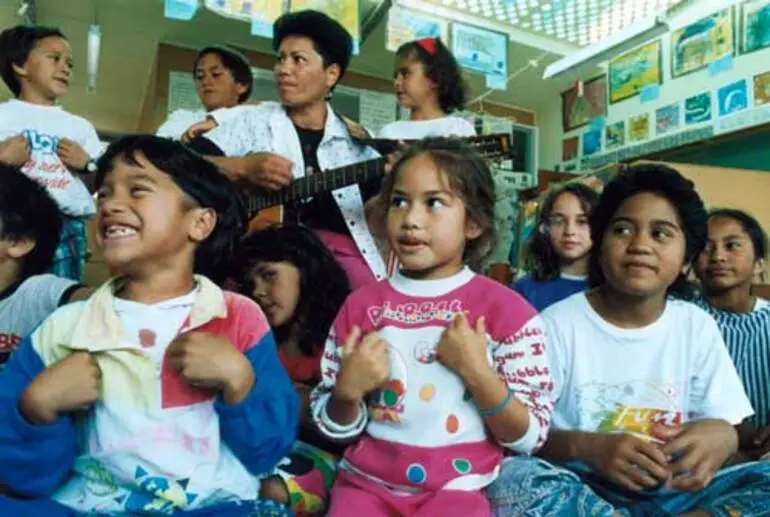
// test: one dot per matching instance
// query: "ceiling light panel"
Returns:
(579, 22)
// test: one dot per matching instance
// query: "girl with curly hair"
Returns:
(300, 287)
(428, 83)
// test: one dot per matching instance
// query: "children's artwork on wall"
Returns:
(639, 128)
(592, 142)
(667, 119)
(616, 135)
(698, 44)
(697, 109)
(578, 110)
(569, 148)
(629, 73)
(762, 89)
(755, 25)
(733, 97)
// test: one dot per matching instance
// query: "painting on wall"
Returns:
(629, 73)
(698, 44)
(733, 98)
(577, 110)
(667, 119)
(762, 89)
(697, 109)
(615, 135)
(639, 128)
(755, 25)
(592, 142)
(569, 148)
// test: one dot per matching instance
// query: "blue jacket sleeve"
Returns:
(35, 459)
(261, 429)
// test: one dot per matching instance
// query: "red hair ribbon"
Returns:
(429, 45)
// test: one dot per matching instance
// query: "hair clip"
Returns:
(429, 45)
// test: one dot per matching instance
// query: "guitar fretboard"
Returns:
(317, 183)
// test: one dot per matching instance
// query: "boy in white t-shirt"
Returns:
(647, 395)
(223, 81)
(30, 223)
(50, 145)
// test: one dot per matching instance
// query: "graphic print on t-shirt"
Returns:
(44, 164)
(632, 407)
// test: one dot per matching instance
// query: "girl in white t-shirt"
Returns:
(647, 395)
(428, 82)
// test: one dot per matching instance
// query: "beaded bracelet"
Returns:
(498, 408)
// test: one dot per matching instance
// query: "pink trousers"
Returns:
(354, 496)
(349, 258)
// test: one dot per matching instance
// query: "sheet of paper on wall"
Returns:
(723, 64)
(181, 92)
(649, 93)
(405, 25)
(496, 82)
(376, 110)
(492, 125)
(180, 9)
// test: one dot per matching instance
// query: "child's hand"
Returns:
(629, 461)
(365, 366)
(14, 151)
(199, 128)
(74, 383)
(211, 361)
(703, 447)
(463, 349)
(72, 155)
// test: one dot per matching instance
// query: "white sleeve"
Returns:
(387, 131)
(222, 115)
(91, 143)
(247, 132)
(46, 291)
(716, 390)
(521, 360)
(558, 355)
(462, 127)
(175, 125)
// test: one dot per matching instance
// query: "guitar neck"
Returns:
(317, 183)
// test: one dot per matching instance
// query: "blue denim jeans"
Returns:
(533, 487)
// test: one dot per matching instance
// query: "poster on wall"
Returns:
(639, 128)
(592, 142)
(344, 11)
(261, 13)
(631, 72)
(697, 45)
(762, 89)
(480, 50)
(733, 98)
(755, 25)
(616, 135)
(577, 110)
(569, 148)
(405, 26)
(697, 109)
(667, 119)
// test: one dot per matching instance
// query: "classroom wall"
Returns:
(671, 91)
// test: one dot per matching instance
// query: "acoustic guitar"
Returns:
(267, 208)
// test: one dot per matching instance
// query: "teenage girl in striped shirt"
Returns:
(732, 261)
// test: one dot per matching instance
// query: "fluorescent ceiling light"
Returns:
(589, 57)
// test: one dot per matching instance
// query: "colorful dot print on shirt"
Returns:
(462, 466)
(147, 338)
(387, 403)
(427, 392)
(425, 353)
(416, 474)
(452, 424)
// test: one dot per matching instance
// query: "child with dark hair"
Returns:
(727, 268)
(436, 371)
(223, 81)
(300, 287)
(647, 393)
(429, 83)
(188, 405)
(557, 254)
(30, 223)
(50, 145)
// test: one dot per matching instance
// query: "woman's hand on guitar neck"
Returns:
(266, 170)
